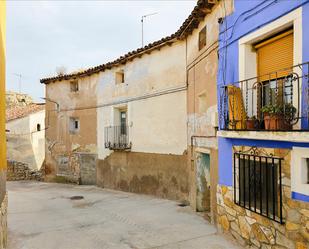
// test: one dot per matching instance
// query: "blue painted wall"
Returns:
(248, 17)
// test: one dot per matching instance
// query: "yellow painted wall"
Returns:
(2, 84)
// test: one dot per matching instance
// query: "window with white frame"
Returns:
(300, 170)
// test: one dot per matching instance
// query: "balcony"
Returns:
(274, 102)
(117, 138)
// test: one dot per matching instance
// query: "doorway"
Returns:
(203, 182)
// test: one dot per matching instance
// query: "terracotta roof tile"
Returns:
(16, 112)
(185, 29)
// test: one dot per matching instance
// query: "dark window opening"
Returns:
(257, 184)
(202, 38)
(74, 125)
(123, 122)
(119, 77)
(74, 86)
(38, 127)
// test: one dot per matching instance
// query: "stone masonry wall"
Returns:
(257, 231)
(18, 171)
(3, 223)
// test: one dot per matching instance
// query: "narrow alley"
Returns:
(47, 215)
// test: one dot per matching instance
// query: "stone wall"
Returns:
(77, 167)
(257, 231)
(18, 171)
(3, 223)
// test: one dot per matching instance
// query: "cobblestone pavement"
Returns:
(45, 216)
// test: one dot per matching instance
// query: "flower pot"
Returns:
(267, 121)
(251, 124)
(274, 122)
(284, 124)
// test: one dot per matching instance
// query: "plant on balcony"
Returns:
(278, 117)
(288, 115)
(252, 123)
(272, 115)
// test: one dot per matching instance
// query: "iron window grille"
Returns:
(258, 184)
(117, 137)
(242, 102)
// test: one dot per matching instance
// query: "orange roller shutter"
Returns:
(274, 55)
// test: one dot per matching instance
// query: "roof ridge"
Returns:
(201, 9)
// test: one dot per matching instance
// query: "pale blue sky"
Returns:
(43, 35)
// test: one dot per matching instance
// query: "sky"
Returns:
(45, 35)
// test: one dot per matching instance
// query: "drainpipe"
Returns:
(201, 136)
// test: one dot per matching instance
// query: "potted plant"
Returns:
(288, 115)
(251, 123)
(266, 110)
(272, 117)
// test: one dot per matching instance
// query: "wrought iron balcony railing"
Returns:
(277, 101)
(117, 138)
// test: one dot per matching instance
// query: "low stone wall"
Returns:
(3, 223)
(18, 171)
(253, 229)
(162, 175)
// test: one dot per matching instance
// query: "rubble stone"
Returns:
(18, 171)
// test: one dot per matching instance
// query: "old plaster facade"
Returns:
(140, 106)
(201, 68)
(26, 135)
(70, 126)
(153, 98)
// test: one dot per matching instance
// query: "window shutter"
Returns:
(275, 54)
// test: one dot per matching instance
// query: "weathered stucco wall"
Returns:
(161, 175)
(24, 142)
(202, 68)
(157, 123)
(82, 105)
(154, 95)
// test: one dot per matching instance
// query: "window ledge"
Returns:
(294, 136)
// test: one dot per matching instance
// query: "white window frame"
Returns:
(298, 172)
(247, 57)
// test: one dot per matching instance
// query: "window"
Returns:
(300, 173)
(74, 125)
(119, 77)
(74, 86)
(38, 127)
(123, 122)
(202, 38)
(257, 184)
(275, 54)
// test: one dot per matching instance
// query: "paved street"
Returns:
(44, 216)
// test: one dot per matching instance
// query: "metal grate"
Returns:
(257, 183)
(267, 102)
(117, 137)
